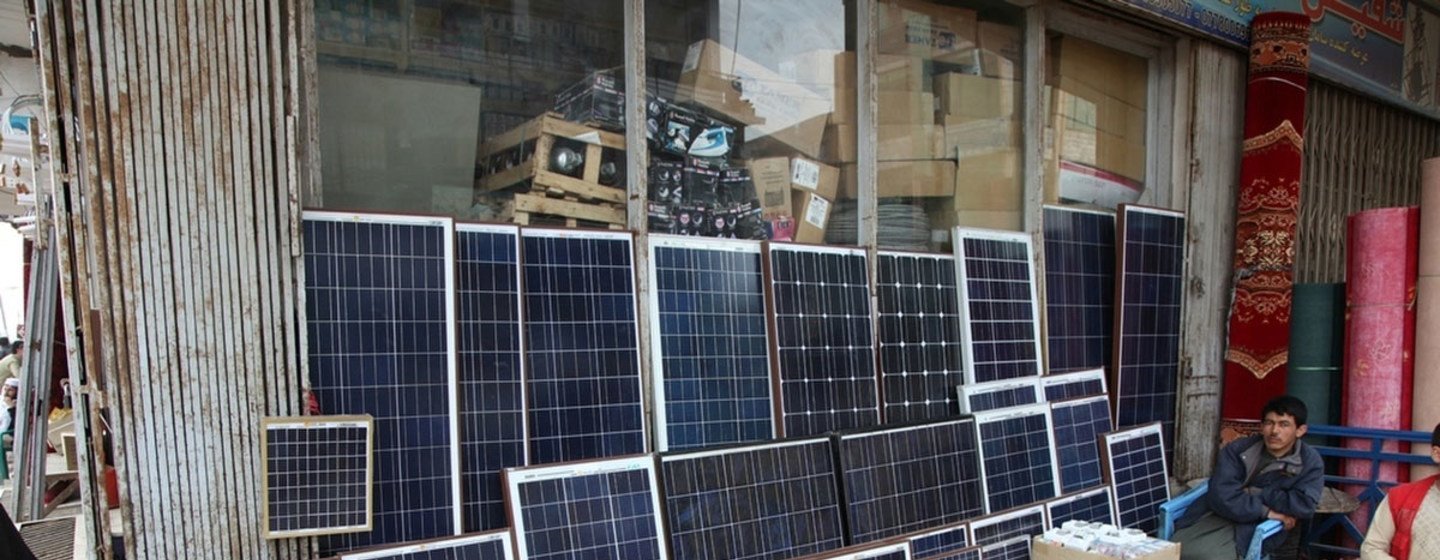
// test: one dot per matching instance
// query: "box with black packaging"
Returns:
(700, 182)
(666, 178)
(736, 187)
(687, 132)
(599, 101)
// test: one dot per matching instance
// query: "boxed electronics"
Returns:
(975, 97)
(927, 30)
(771, 108)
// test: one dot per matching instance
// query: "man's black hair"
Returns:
(1286, 405)
(1435, 437)
(17, 346)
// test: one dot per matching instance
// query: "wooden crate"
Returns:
(519, 161)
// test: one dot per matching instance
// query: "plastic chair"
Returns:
(1175, 509)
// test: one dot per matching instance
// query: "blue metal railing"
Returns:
(1373, 488)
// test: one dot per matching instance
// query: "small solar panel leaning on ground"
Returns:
(1094, 505)
(711, 353)
(380, 325)
(1147, 368)
(997, 395)
(1139, 478)
(317, 474)
(493, 545)
(1025, 522)
(1017, 456)
(968, 553)
(900, 480)
(1073, 385)
(492, 390)
(1079, 287)
(605, 509)
(998, 306)
(770, 500)
(875, 551)
(824, 354)
(919, 333)
(1078, 425)
(582, 345)
(936, 542)
(1017, 548)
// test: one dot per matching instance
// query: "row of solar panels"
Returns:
(920, 491)
(482, 347)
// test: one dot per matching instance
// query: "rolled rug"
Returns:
(1317, 350)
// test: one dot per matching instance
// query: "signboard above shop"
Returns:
(1388, 49)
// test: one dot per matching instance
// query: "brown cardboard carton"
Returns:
(803, 138)
(1117, 74)
(916, 178)
(812, 216)
(773, 108)
(909, 142)
(989, 182)
(1043, 550)
(780, 174)
(771, 186)
(1083, 103)
(840, 144)
(1011, 220)
(843, 109)
(976, 97)
(1000, 50)
(928, 30)
(964, 135)
(1082, 143)
(905, 107)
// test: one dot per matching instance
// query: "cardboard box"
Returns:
(1010, 220)
(802, 139)
(1082, 143)
(905, 107)
(771, 106)
(975, 97)
(931, 31)
(990, 182)
(780, 173)
(895, 142)
(1000, 50)
(840, 142)
(1117, 74)
(1043, 550)
(896, 179)
(1083, 103)
(965, 136)
(812, 216)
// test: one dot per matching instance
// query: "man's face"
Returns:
(1280, 433)
(11, 391)
(1435, 453)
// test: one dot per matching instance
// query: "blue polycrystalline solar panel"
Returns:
(1065, 386)
(492, 393)
(379, 298)
(317, 475)
(893, 551)
(919, 336)
(1151, 291)
(997, 395)
(1094, 506)
(970, 553)
(493, 545)
(1078, 426)
(901, 480)
(1138, 476)
(1017, 456)
(1024, 522)
(712, 353)
(998, 305)
(774, 500)
(947, 539)
(1079, 287)
(826, 370)
(583, 367)
(1013, 549)
(606, 509)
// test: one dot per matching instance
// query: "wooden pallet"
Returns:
(531, 144)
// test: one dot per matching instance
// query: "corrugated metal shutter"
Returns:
(1359, 154)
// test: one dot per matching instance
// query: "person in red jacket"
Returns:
(1407, 523)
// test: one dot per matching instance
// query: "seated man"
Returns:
(1407, 523)
(1270, 475)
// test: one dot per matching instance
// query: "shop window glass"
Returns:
(1095, 150)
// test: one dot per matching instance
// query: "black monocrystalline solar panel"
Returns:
(379, 299)
(773, 500)
(1079, 287)
(1013, 549)
(998, 528)
(919, 336)
(997, 395)
(1078, 426)
(583, 368)
(607, 509)
(494, 545)
(492, 392)
(317, 475)
(892, 551)
(712, 353)
(821, 309)
(902, 480)
(1094, 506)
(1151, 291)
(998, 305)
(951, 538)
(1017, 456)
(1138, 476)
(1065, 386)
(969, 553)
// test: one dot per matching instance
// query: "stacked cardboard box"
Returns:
(799, 189)
(980, 122)
(1096, 149)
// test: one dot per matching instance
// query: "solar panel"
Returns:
(712, 355)
(1079, 287)
(951, 538)
(1094, 505)
(1023, 522)
(774, 500)
(492, 392)
(581, 334)
(1017, 456)
(316, 471)
(998, 305)
(1064, 386)
(1078, 426)
(494, 545)
(1151, 290)
(380, 327)
(820, 297)
(969, 553)
(1135, 459)
(1014, 549)
(901, 480)
(884, 551)
(606, 509)
(997, 395)
(919, 334)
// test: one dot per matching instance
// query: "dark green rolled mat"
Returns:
(1317, 348)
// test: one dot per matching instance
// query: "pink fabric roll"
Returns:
(1380, 329)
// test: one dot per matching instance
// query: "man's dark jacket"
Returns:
(1290, 485)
